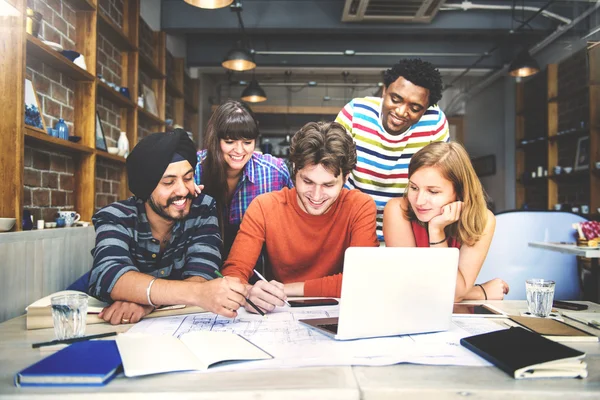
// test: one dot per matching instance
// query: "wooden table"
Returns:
(404, 380)
(593, 254)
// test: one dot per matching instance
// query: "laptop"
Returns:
(388, 291)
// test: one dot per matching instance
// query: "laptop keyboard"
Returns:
(333, 328)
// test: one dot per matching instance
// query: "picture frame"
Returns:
(582, 156)
(100, 138)
(149, 100)
(33, 116)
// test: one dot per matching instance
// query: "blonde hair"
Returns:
(453, 162)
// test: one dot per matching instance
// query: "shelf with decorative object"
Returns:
(37, 135)
(114, 33)
(113, 157)
(569, 134)
(116, 97)
(53, 58)
(174, 90)
(149, 116)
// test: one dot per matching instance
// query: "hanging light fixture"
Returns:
(210, 4)
(239, 58)
(254, 93)
(523, 65)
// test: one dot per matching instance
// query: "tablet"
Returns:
(477, 310)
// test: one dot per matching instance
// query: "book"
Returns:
(555, 330)
(39, 313)
(89, 363)
(144, 354)
(523, 354)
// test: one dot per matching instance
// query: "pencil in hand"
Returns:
(258, 310)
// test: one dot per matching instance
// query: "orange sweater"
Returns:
(302, 247)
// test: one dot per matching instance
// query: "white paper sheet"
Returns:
(293, 345)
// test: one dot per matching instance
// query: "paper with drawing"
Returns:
(292, 345)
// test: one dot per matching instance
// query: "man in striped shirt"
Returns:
(161, 246)
(388, 130)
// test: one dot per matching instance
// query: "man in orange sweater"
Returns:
(307, 229)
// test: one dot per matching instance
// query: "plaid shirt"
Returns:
(124, 243)
(262, 174)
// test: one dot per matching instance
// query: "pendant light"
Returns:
(254, 93)
(523, 65)
(209, 4)
(239, 58)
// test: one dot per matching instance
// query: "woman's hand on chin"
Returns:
(450, 213)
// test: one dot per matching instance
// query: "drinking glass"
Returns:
(69, 313)
(540, 293)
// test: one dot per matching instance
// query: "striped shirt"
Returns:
(262, 174)
(382, 159)
(124, 243)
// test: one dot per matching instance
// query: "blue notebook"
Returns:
(89, 363)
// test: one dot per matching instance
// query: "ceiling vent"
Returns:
(409, 11)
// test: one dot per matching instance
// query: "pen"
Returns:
(262, 278)
(258, 310)
(73, 340)
(592, 324)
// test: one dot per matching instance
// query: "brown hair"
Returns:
(453, 162)
(231, 120)
(325, 143)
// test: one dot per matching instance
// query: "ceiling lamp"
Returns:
(210, 4)
(523, 65)
(254, 93)
(238, 59)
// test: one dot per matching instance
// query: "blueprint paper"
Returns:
(294, 345)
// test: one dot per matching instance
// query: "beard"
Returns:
(161, 211)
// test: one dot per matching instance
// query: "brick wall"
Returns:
(49, 175)
(146, 45)
(113, 9)
(144, 127)
(108, 183)
(48, 182)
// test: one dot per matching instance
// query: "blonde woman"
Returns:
(444, 206)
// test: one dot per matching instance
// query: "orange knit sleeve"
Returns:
(248, 243)
(329, 286)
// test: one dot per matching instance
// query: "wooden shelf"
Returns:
(148, 66)
(310, 110)
(111, 94)
(532, 143)
(149, 116)
(108, 156)
(564, 177)
(114, 33)
(37, 49)
(82, 5)
(173, 90)
(37, 135)
(572, 134)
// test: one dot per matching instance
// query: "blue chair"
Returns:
(511, 259)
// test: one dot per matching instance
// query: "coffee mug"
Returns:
(70, 217)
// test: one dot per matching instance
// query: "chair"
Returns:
(511, 259)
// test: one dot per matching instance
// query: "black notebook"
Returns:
(524, 354)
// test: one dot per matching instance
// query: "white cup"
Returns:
(70, 217)
(40, 224)
(585, 209)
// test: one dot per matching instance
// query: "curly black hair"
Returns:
(418, 72)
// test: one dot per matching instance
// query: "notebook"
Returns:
(90, 363)
(555, 330)
(145, 354)
(524, 354)
(388, 291)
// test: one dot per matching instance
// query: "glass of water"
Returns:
(540, 293)
(69, 313)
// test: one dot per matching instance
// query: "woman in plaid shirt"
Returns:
(231, 172)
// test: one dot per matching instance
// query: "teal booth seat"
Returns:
(512, 259)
